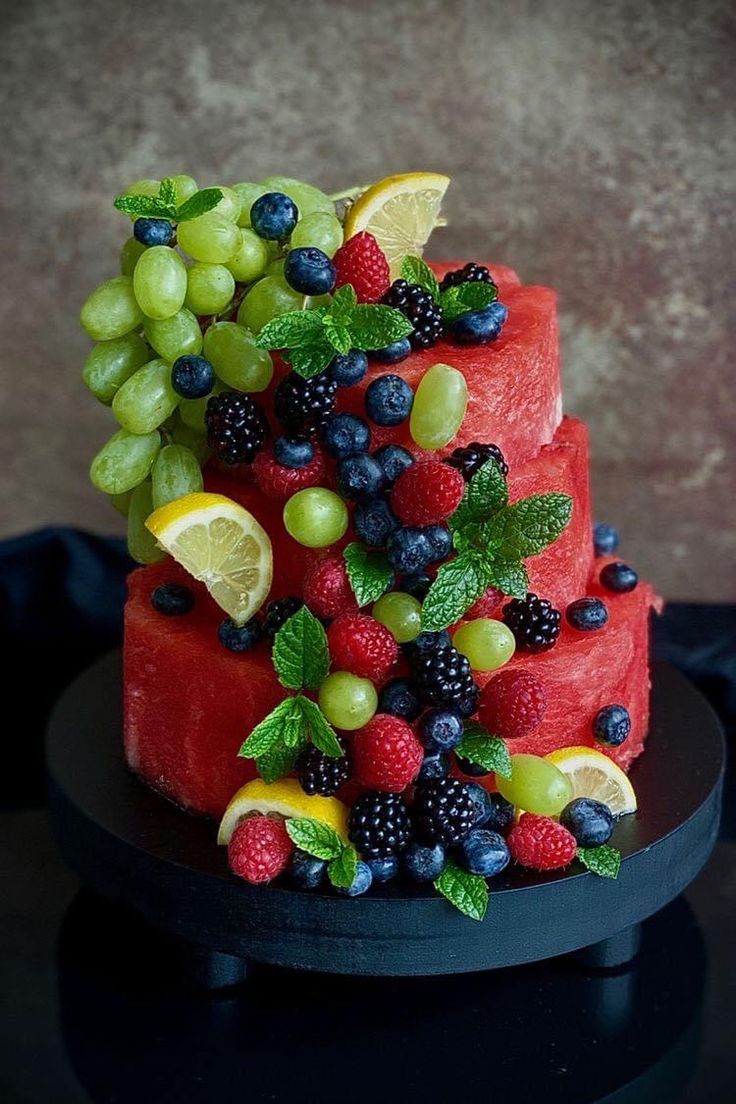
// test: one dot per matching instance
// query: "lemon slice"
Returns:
(400, 212)
(220, 544)
(594, 775)
(286, 798)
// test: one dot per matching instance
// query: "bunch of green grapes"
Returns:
(207, 293)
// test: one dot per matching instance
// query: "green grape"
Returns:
(309, 200)
(265, 300)
(121, 502)
(250, 259)
(186, 186)
(316, 517)
(179, 335)
(175, 473)
(210, 287)
(276, 269)
(129, 255)
(319, 230)
(147, 399)
(237, 360)
(211, 237)
(230, 204)
(160, 282)
(440, 403)
(182, 434)
(536, 785)
(313, 301)
(142, 543)
(111, 363)
(401, 614)
(347, 701)
(142, 187)
(111, 310)
(124, 461)
(248, 194)
(192, 411)
(487, 644)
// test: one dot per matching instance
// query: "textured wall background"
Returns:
(592, 147)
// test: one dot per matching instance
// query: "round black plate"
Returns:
(132, 846)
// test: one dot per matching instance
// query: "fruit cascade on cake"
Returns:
(376, 634)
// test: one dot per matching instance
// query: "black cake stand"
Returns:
(132, 847)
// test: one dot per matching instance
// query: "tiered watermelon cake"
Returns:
(377, 634)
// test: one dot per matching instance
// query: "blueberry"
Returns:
(435, 765)
(393, 353)
(192, 377)
(467, 706)
(408, 550)
(348, 369)
(239, 638)
(481, 326)
(388, 400)
(424, 863)
(306, 871)
(374, 522)
(591, 822)
(440, 538)
(309, 271)
(482, 807)
(172, 600)
(501, 817)
(400, 699)
(383, 870)
(474, 770)
(429, 642)
(417, 584)
(484, 852)
(153, 231)
(273, 216)
(361, 882)
(587, 614)
(612, 725)
(359, 477)
(605, 539)
(293, 452)
(345, 435)
(440, 730)
(618, 577)
(393, 459)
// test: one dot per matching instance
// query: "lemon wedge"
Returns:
(401, 212)
(594, 775)
(222, 545)
(285, 798)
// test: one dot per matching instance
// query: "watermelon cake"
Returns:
(375, 633)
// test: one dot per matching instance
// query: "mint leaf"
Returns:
(314, 837)
(488, 751)
(279, 761)
(370, 573)
(167, 192)
(337, 332)
(270, 732)
(485, 494)
(342, 870)
(198, 204)
(416, 271)
(467, 892)
(529, 526)
(466, 297)
(140, 205)
(459, 583)
(301, 655)
(320, 730)
(374, 327)
(310, 360)
(604, 861)
(510, 576)
(343, 301)
(293, 330)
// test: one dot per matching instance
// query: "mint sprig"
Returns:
(278, 738)
(416, 271)
(324, 843)
(604, 861)
(467, 892)
(466, 297)
(370, 573)
(459, 583)
(301, 654)
(485, 750)
(165, 204)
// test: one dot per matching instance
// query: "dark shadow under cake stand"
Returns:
(132, 847)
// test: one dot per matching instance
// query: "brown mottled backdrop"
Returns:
(591, 146)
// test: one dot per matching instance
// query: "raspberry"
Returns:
(361, 263)
(361, 645)
(278, 481)
(534, 622)
(487, 605)
(513, 704)
(419, 307)
(327, 589)
(541, 843)
(386, 754)
(427, 493)
(236, 427)
(259, 849)
(471, 274)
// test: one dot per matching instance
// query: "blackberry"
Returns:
(277, 614)
(303, 405)
(534, 622)
(236, 427)
(379, 824)
(321, 774)
(443, 677)
(471, 273)
(444, 811)
(419, 307)
(471, 459)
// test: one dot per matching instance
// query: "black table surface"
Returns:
(85, 1016)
